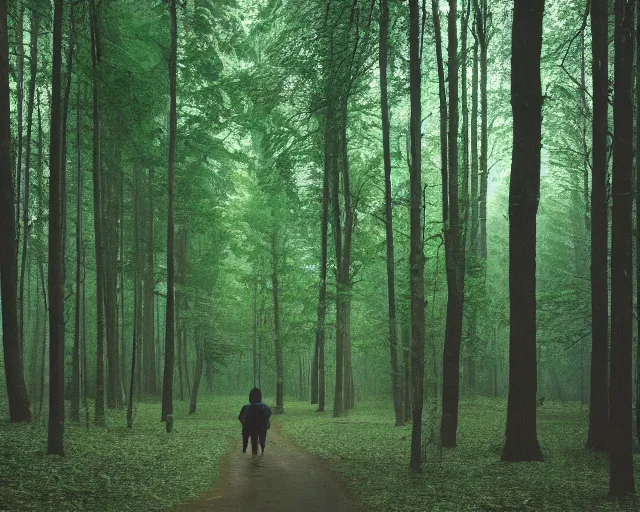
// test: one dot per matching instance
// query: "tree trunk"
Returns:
(193, 402)
(19, 408)
(406, 364)
(474, 224)
(524, 191)
(134, 345)
(318, 375)
(33, 67)
(276, 328)
(167, 385)
(97, 214)
(638, 220)
(483, 38)
(55, 279)
(75, 378)
(454, 256)
(391, 295)
(598, 436)
(148, 369)
(19, 112)
(255, 334)
(620, 373)
(416, 256)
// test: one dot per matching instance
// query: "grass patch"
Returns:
(374, 455)
(114, 468)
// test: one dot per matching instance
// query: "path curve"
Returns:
(286, 478)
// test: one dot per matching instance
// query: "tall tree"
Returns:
(56, 296)
(637, 169)
(391, 292)
(75, 361)
(167, 383)
(620, 373)
(454, 254)
(524, 193)
(97, 213)
(599, 402)
(33, 68)
(19, 408)
(416, 255)
(318, 365)
(276, 324)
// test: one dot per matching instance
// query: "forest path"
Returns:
(285, 478)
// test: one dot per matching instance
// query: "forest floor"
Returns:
(309, 456)
(374, 456)
(285, 478)
(115, 468)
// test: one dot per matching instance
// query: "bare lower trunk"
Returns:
(193, 402)
(19, 407)
(598, 437)
(167, 384)
(524, 190)
(416, 255)
(621, 481)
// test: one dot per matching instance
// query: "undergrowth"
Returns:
(114, 468)
(374, 455)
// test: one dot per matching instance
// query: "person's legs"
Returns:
(254, 443)
(245, 441)
(263, 439)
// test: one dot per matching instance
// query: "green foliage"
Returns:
(117, 469)
(373, 455)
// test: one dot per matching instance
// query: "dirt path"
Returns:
(286, 478)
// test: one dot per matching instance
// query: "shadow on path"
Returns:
(285, 478)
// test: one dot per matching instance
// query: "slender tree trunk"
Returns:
(43, 364)
(416, 255)
(454, 256)
(167, 385)
(33, 67)
(483, 38)
(149, 356)
(391, 294)
(97, 215)
(474, 224)
(193, 402)
(276, 327)
(55, 279)
(75, 379)
(620, 373)
(19, 408)
(19, 112)
(470, 362)
(598, 436)
(318, 375)
(406, 364)
(255, 334)
(638, 219)
(524, 192)
(134, 346)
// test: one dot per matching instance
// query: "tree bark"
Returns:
(19, 111)
(167, 384)
(276, 327)
(392, 335)
(19, 408)
(148, 367)
(193, 402)
(97, 215)
(454, 255)
(598, 436)
(638, 219)
(620, 373)
(416, 255)
(55, 279)
(75, 377)
(33, 67)
(524, 192)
